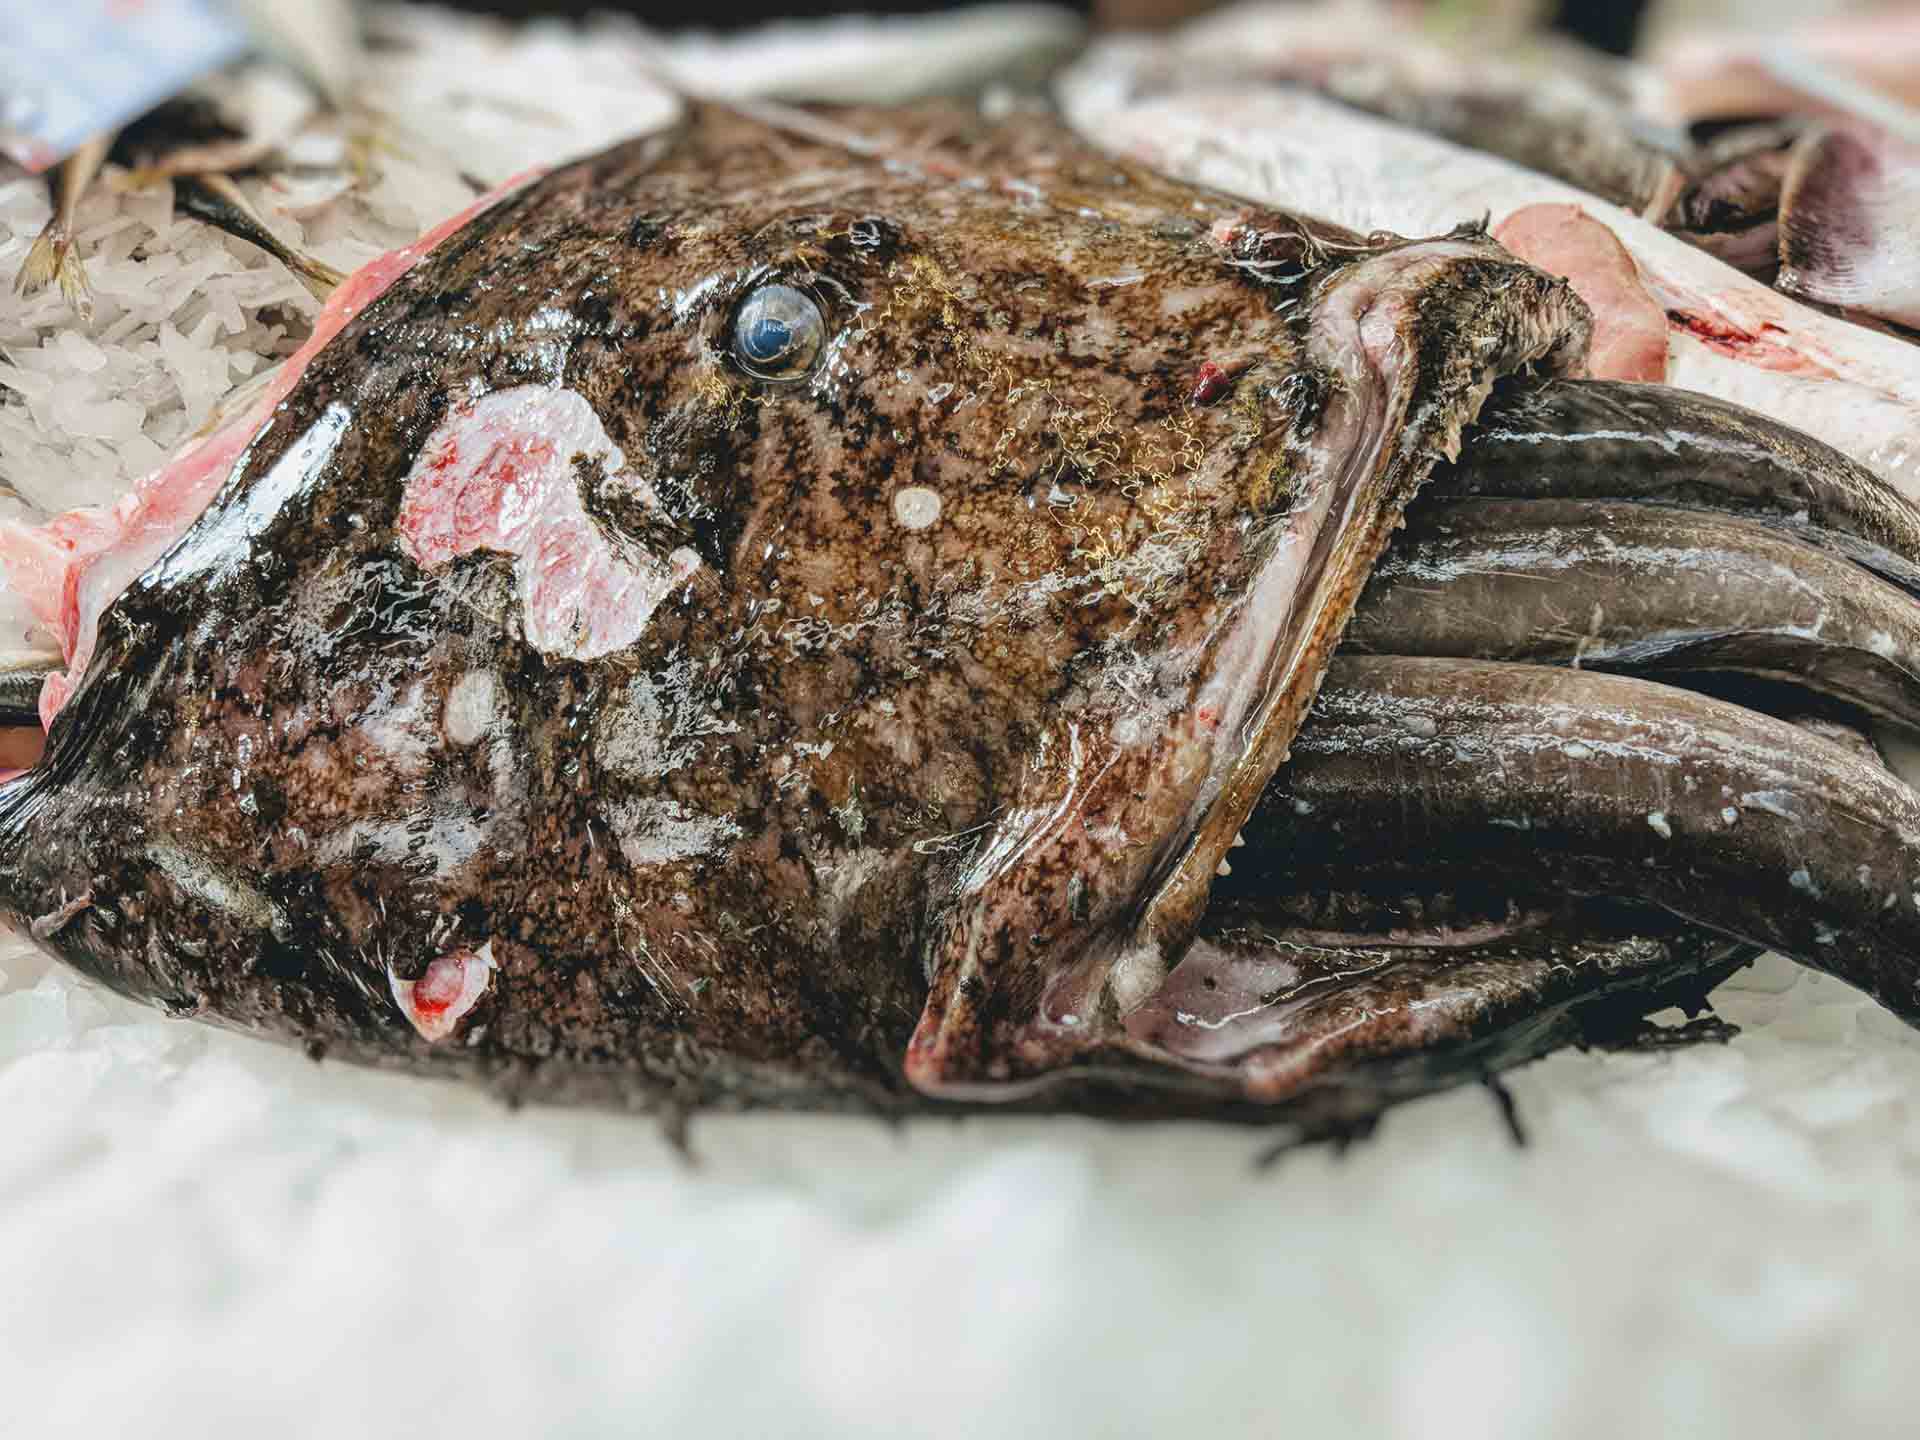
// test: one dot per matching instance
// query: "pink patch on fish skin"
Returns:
(502, 473)
(1629, 327)
(447, 989)
(73, 567)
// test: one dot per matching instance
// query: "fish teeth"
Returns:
(1225, 869)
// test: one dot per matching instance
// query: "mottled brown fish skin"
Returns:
(257, 810)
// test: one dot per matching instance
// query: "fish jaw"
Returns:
(1408, 343)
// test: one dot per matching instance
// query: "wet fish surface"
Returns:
(1424, 773)
(791, 611)
(815, 608)
(1645, 589)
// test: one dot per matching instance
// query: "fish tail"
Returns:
(320, 278)
(42, 264)
(54, 258)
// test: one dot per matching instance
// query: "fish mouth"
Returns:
(1409, 339)
(1393, 412)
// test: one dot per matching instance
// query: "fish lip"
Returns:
(1394, 411)
(1360, 329)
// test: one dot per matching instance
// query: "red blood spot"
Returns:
(1209, 384)
(445, 978)
(1745, 345)
(1207, 718)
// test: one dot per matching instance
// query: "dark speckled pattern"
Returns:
(856, 776)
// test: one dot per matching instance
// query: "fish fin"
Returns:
(1847, 226)
(320, 278)
(54, 258)
(1281, 1018)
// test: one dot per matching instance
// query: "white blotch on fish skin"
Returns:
(657, 724)
(1657, 822)
(634, 737)
(214, 886)
(1773, 802)
(1802, 880)
(1577, 750)
(916, 507)
(396, 732)
(1136, 975)
(841, 883)
(471, 707)
(509, 786)
(1423, 726)
(500, 473)
(1730, 815)
(447, 989)
(440, 842)
(658, 832)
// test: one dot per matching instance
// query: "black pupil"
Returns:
(767, 339)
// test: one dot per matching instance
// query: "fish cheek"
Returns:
(694, 452)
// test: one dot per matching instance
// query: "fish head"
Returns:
(753, 586)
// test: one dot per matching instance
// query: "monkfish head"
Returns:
(801, 602)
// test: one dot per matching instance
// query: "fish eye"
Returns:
(778, 332)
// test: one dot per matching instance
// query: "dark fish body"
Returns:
(782, 613)
(1419, 774)
(219, 202)
(1651, 444)
(1647, 589)
(1336, 1030)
